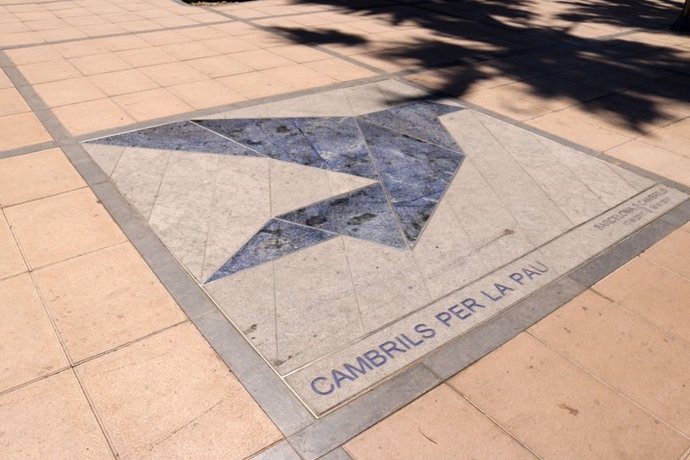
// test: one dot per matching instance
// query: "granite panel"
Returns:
(332, 143)
(415, 174)
(418, 120)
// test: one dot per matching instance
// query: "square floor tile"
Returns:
(62, 226)
(11, 260)
(299, 76)
(28, 344)
(672, 253)
(80, 119)
(642, 283)
(50, 418)
(255, 85)
(625, 351)
(552, 405)
(11, 102)
(300, 53)
(152, 104)
(219, 66)
(429, 425)
(21, 130)
(99, 63)
(5, 81)
(105, 299)
(36, 175)
(339, 69)
(70, 91)
(146, 57)
(123, 82)
(170, 395)
(205, 94)
(261, 59)
(49, 71)
(174, 73)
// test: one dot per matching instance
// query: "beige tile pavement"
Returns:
(574, 386)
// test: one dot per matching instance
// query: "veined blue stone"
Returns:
(186, 136)
(418, 120)
(333, 143)
(275, 240)
(415, 174)
(363, 213)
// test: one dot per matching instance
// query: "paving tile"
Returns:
(551, 406)
(29, 344)
(225, 46)
(660, 161)
(105, 299)
(339, 69)
(62, 226)
(672, 253)
(205, 94)
(261, 59)
(11, 102)
(69, 91)
(631, 355)
(299, 77)
(151, 104)
(80, 119)
(5, 81)
(50, 418)
(33, 55)
(174, 73)
(11, 261)
(255, 85)
(674, 138)
(123, 82)
(428, 428)
(589, 134)
(36, 175)
(642, 283)
(99, 63)
(189, 50)
(21, 130)
(144, 57)
(219, 66)
(158, 399)
(48, 71)
(300, 53)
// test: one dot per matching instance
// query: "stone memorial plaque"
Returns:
(347, 234)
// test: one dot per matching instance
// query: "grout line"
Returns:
(69, 140)
(115, 35)
(96, 414)
(605, 383)
(493, 420)
(27, 149)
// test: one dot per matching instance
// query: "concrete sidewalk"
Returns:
(97, 357)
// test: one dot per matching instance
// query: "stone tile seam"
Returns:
(545, 193)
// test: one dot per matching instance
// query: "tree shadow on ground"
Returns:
(577, 51)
